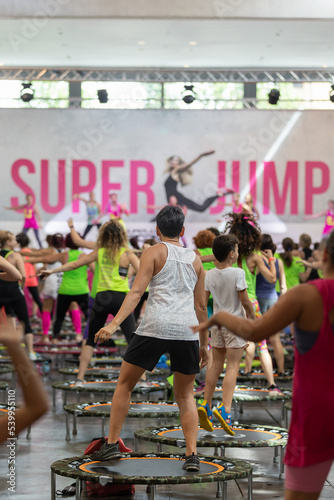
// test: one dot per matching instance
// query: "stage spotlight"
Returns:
(273, 96)
(103, 96)
(331, 93)
(27, 93)
(188, 95)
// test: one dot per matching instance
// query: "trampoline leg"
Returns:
(78, 396)
(103, 426)
(281, 463)
(64, 397)
(28, 432)
(77, 489)
(241, 408)
(276, 450)
(53, 400)
(68, 436)
(135, 443)
(235, 410)
(53, 486)
(153, 495)
(75, 432)
(250, 486)
(222, 451)
(219, 493)
(282, 413)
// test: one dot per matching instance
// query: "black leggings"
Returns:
(26, 229)
(36, 298)
(19, 309)
(63, 303)
(108, 302)
(89, 227)
(171, 190)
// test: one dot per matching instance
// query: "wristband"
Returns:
(71, 227)
(271, 258)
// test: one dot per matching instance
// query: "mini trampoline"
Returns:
(246, 436)
(259, 376)
(101, 386)
(151, 469)
(244, 394)
(140, 409)
(4, 408)
(8, 369)
(61, 351)
(108, 372)
(287, 408)
(103, 360)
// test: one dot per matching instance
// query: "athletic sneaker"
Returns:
(79, 383)
(191, 463)
(32, 356)
(224, 418)
(200, 387)
(274, 391)
(107, 452)
(205, 416)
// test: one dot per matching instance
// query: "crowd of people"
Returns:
(235, 289)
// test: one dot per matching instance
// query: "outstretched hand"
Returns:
(207, 153)
(44, 273)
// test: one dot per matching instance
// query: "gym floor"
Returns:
(48, 444)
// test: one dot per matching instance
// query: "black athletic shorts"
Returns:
(146, 352)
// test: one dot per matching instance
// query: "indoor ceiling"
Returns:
(166, 43)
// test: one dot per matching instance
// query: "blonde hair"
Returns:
(112, 237)
(4, 236)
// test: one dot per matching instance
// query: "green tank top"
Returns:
(109, 277)
(250, 278)
(292, 272)
(206, 251)
(74, 282)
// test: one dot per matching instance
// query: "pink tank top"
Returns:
(29, 217)
(31, 279)
(237, 209)
(329, 223)
(115, 213)
(311, 433)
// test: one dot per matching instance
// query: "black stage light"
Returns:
(273, 96)
(27, 93)
(188, 94)
(103, 96)
(331, 93)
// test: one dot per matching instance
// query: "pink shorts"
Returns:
(308, 479)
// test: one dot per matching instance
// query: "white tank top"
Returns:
(170, 307)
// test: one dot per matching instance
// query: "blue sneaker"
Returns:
(224, 418)
(205, 416)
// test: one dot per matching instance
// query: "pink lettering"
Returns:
(270, 180)
(252, 180)
(310, 189)
(22, 162)
(107, 186)
(45, 187)
(137, 188)
(77, 188)
(221, 184)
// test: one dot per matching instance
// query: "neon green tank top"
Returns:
(109, 277)
(206, 251)
(74, 282)
(250, 278)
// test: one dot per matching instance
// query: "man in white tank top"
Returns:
(176, 300)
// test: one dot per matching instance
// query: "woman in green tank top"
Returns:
(114, 258)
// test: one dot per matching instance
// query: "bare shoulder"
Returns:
(198, 266)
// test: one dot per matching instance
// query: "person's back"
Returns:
(224, 285)
(170, 304)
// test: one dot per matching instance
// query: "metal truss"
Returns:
(161, 75)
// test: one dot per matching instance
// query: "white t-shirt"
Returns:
(224, 285)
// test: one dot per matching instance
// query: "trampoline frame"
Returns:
(152, 481)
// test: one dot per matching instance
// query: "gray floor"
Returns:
(48, 444)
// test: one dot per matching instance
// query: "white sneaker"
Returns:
(79, 383)
(32, 356)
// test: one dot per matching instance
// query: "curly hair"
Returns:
(112, 237)
(246, 229)
(204, 239)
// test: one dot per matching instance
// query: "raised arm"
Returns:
(35, 398)
(76, 238)
(78, 197)
(17, 207)
(49, 259)
(133, 259)
(315, 216)
(142, 279)
(281, 279)
(83, 260)
(11, 273)
(185, 166)
(269, 274)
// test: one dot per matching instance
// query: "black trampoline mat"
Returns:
(102, 384)
(98, 361)
(219, 434)
(147, 467)
(134, 407)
